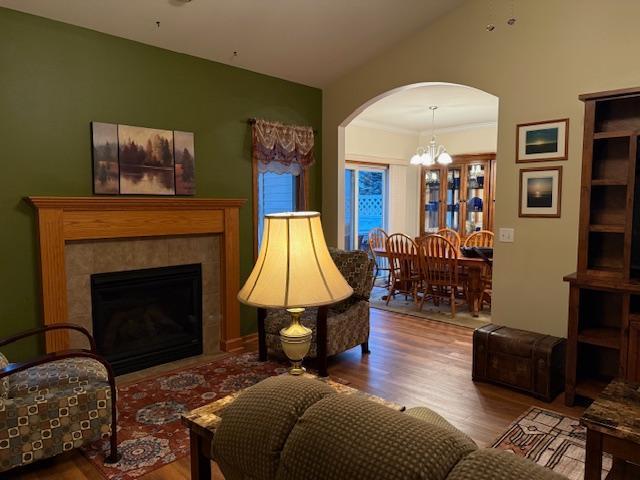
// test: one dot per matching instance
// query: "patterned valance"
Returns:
(282, 148)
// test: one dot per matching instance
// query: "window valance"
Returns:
(282, 148)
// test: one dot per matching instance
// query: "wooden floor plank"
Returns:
(413, 362)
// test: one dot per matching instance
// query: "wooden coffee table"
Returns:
(613, 426)
(203, 421)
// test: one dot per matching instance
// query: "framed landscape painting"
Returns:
(542, 141)
(185, 163)
(146, 161)
(106, 171)
(540, 192)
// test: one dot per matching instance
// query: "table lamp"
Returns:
(294, 270)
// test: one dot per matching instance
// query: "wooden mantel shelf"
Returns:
(135, 203)
(64, 219)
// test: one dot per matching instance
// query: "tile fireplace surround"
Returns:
(79, 234)
(84, 258)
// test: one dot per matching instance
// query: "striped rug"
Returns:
(550, 439)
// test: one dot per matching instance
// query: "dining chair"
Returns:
(403, 262)
(482, 238)
(452, 236)
(377, 243)
(438, 259)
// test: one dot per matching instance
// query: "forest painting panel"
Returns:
(106, 174)
(146, 161)
(185, 163)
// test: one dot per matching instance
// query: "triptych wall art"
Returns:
(541, 188)
(142, 161)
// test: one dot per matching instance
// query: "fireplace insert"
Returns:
(147, 317)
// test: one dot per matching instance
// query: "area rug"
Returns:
(429, 311)
(550, 439)
(150, 433)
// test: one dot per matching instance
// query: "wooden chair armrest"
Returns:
(51, 357)
(48, 328)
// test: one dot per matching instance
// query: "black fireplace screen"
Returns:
(147, 317)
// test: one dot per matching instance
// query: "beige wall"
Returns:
(557, 50)
(481, 139)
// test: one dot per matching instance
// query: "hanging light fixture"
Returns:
(433, 152)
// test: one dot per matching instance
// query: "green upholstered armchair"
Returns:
(336, 328)
(54, 403)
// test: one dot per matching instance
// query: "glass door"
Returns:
(452, 213)
(475, 218)
(365, 203)
(431, 201)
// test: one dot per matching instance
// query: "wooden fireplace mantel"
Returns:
(63, 219)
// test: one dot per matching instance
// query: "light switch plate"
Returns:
(506, 234)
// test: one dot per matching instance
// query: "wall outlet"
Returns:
(506, 234)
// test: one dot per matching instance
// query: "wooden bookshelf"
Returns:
(604, 299)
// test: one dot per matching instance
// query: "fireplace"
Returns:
(147, 317)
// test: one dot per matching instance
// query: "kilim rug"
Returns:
(550, 439)
(150, 433)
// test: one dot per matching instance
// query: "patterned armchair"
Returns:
(336, 328)
(55, 403)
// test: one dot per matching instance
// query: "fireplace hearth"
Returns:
(147, 317)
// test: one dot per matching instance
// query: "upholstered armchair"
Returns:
(336, 328)
(55, 403)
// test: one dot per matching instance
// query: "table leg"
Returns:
(200, 464)
(475, 289)
(593, 456)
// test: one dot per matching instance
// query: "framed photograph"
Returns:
(540, 192)
(542, 141)
(104, 148)
(185, 163)
(146, 161)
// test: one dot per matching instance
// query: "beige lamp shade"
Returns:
(294, 268)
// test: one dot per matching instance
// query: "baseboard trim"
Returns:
(240, 344)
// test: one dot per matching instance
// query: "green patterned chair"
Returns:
(55, 403)
(336, 328)
(287, 428)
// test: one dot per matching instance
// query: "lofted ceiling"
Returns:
(307, 41)
(407, 110)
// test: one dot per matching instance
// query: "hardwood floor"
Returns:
(413, 362)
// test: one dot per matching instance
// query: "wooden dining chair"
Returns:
(377, 242)
(438, 259)
(452, 236)
(482, 238)
(403, 262)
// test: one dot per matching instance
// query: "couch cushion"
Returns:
(345, 436)
(427, 415)
(490, 464)
(254, 428)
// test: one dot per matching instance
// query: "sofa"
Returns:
(336, 328)
(288, 428)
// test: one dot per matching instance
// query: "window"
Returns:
(277, 192)
(365, 203)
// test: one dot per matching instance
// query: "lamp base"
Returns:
(296, 340)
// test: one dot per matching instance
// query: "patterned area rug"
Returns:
(150, 432)
(441, 313)
(550, 439)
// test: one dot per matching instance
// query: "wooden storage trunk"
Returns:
(527, 361)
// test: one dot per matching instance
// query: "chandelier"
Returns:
(433, 152)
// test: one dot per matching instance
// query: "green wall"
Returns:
(56, 78)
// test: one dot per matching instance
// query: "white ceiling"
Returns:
(407, 110)
(306, 41)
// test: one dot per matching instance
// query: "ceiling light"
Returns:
(433, 152)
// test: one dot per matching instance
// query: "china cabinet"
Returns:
(459, 196)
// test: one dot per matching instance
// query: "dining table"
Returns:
(473, 281)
